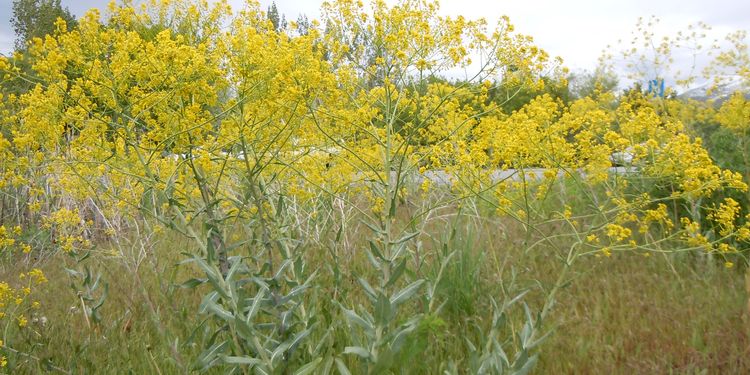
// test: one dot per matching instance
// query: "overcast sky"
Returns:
(576, 30)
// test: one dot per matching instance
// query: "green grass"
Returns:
(630, 314)
(620, 315)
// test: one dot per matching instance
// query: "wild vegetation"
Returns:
(190, 189)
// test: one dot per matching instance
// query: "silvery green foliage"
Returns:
(255, 288)
(491, 357)
(263, 312)
(90, 289)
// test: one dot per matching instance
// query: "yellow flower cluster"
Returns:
(725, 215)
(68, 229)
(734, 114)
(178, 103)
(12, 239)
(6, 239)
(16, 302)
(658, 215)
(617, 232)
(693, 235)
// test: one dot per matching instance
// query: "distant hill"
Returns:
(718, 92)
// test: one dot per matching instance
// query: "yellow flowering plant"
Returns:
(18, 307)
(263, 145)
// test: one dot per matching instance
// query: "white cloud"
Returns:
(6, 43)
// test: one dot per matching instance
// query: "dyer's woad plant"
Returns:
(286, 156)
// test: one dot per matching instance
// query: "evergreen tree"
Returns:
(303, 25)
(278, 20)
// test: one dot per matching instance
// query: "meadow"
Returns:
(191, 189)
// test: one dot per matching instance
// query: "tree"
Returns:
(36, 18)
(303, 25)
(586, 83)
(278, 21)
(511, 97)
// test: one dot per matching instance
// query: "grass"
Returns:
(621, 315)
(130, 338)
(630, 315)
